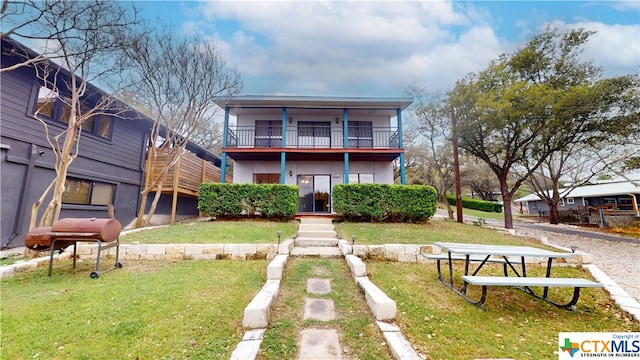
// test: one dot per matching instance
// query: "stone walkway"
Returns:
(319, 343)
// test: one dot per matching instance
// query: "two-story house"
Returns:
(110, 167)
(313, 142)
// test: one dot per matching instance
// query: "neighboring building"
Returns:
(622, 195)
(314, 142)
(109, 168)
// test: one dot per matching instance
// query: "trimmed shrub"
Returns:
(476, 204)
(379, 202)
(236, 200)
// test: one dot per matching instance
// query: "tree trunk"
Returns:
(506, 199)
(554, 218)
(443, 198)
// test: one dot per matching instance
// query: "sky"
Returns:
(379, 48)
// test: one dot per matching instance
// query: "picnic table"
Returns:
(513, 260)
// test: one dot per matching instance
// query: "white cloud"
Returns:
(376, 48)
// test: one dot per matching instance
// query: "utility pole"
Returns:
(456, 165)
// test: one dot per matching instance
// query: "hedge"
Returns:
(379, 202)
(237, 200)
(482, 205)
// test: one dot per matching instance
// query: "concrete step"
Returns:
(311, 227)
(311, 242)
(317, 252)
(315, 220)
(327, 234)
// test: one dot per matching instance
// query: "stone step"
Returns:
(317, 252)
(315, 220)
(327, 234)
(311, 242)
(311, 227)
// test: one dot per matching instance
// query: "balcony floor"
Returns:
(273, 154)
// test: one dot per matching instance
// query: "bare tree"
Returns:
(78, 43)
(178, 79)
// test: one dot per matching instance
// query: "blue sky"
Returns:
(378, 48)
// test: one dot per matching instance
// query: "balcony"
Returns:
(313, 142)
(313, 138)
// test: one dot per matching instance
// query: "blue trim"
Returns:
(225, 132)
(403, 176)
(345, 143)
(283, 156)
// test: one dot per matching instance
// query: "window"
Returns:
(268, 133)
(49, 104)
(314, 133)
(561, 203)
(570, 201)
(360, 178)
(85, 192)
(266, 178)
(360, 134)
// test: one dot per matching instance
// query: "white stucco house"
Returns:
(313, 142)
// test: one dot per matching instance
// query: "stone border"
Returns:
(26, 265)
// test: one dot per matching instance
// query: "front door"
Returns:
(315, 193)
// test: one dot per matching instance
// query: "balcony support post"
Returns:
(403, 177)
(345, 143)
(283, 156)
(223, 155)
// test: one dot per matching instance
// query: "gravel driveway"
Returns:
(620, 260)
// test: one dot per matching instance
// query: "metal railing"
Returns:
(315, 138)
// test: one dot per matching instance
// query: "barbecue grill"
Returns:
(63, 233)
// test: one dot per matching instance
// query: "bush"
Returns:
(378, 202)
(476, 204)
(236, 200)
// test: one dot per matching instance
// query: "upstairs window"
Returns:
(49, 105)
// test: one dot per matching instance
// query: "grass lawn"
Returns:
(146, 310)
(358, 331)
(434, 230)
(442, 325)
(220, 232)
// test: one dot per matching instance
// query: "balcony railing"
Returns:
(314, 138)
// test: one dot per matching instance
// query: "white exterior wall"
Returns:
(382, 171)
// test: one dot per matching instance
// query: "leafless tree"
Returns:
(178, 79)
(77, 44)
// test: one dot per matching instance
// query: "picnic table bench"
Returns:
(509, 256)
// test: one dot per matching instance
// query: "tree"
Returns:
(178, 79)
(433, 115)
(478, 177)
(80, 42)
(533, 103)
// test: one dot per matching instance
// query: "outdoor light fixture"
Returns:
(353, 239)
(337, 120)
(290, 173)
(290, 120)
(279, 234)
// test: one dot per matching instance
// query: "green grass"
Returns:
(147, 310)
(434, 230)
(221, 232)
(358, 331)
(442, 325)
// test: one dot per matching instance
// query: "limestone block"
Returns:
(276, 267)
(361, 251)
(286, 246)
(156, 249)
(246, 251)
(85, 249)
(376, 252)
(194, 249)
(400, 347)
(6, 271)
(131, 257)
(217, 249)
(246, 349)
(357, 267)
(382, 307)
(430, 249)
(423, 260)
(205, 256)
(134, 249)
(174, 249)
(25, 266)
(393, 250)
(263, 250)
(256, 314)
(412, 249)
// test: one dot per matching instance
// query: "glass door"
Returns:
(315, 193)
